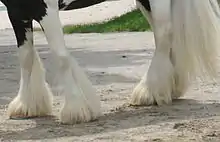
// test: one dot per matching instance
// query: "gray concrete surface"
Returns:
(114, 63)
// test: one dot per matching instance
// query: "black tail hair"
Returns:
(77, 4)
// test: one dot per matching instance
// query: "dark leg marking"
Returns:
(20, 27)
(21, 14)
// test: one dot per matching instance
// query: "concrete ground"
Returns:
(115, 64)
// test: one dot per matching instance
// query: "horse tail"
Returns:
(196, 37)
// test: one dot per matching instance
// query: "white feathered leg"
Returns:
(34, 98)
(81, 103)
(157, 85)
(194, 41)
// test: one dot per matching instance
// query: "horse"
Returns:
(186, 38)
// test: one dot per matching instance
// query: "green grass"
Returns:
(129, 22)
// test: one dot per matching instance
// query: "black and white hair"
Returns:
(186, 37)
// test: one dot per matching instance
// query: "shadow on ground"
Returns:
(124, 117)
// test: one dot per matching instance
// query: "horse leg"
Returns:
(157, 84)
(81, 103)
(34, 98)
